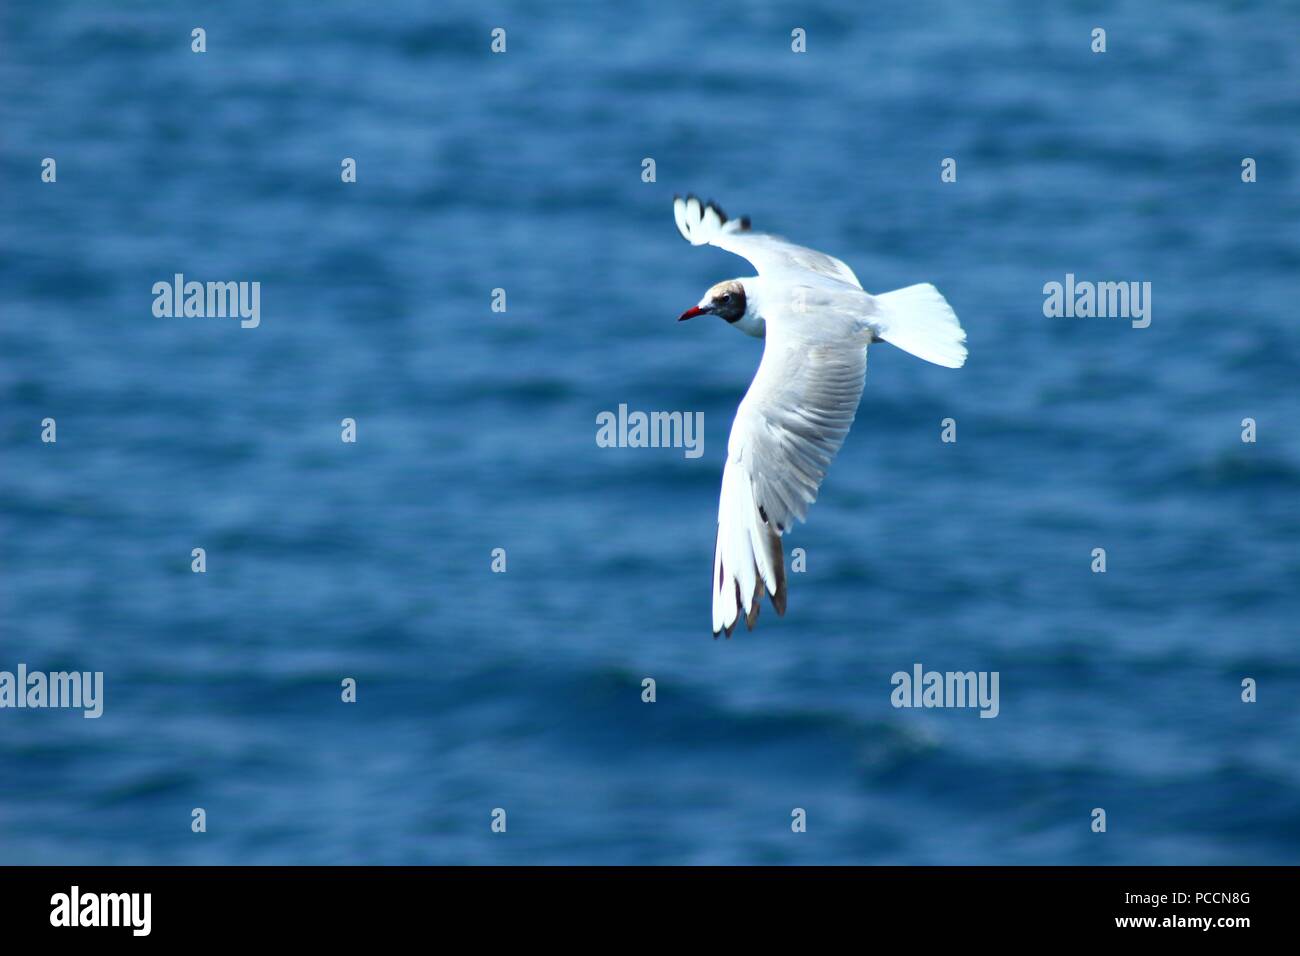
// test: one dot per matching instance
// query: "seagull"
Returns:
(817, 322)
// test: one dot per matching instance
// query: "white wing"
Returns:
(788, 428)
(804, 397)
(706, 224)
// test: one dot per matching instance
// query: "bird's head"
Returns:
(726, 299)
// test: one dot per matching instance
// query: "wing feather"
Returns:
(706, 224)
(788, 429)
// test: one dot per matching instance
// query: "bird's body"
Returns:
(817, 323)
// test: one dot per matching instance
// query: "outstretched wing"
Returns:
(789, 427)
(704, 223)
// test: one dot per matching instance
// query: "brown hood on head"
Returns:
(727, 299)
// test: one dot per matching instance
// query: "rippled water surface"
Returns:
(476, 431)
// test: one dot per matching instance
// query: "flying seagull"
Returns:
(817, 322)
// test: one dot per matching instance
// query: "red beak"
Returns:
(690, 313)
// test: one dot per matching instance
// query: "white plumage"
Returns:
(817, 323)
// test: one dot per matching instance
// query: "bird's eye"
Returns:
(726, 297)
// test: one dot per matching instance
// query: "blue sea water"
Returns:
(476, 431)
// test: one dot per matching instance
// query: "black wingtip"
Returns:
(706, 205)
(743, 224)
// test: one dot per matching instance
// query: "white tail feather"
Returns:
(919, 320)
